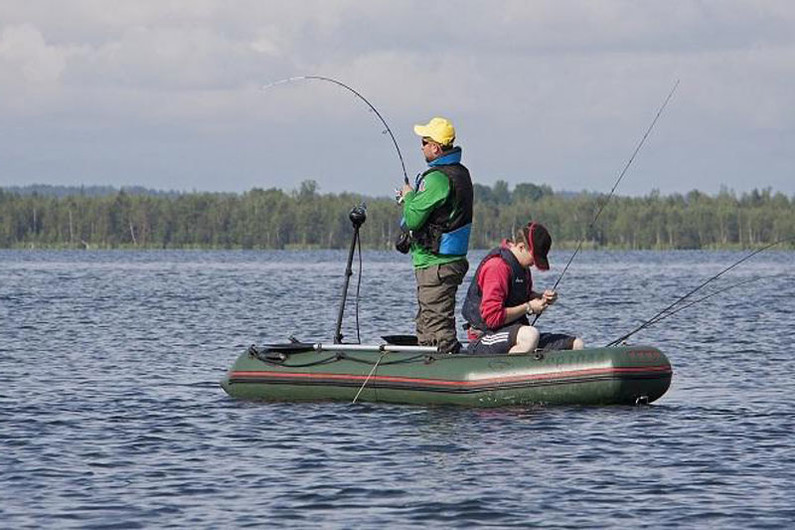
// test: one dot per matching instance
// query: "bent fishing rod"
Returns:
(612, 191)
(358, 214)
(358, 95)
(660, 315)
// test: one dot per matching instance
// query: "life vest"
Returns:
(520, 284)
(447, 229)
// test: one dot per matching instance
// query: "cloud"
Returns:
(554, 90)
(26, 56)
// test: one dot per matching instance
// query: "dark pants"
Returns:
(436, 288)
(500, 341)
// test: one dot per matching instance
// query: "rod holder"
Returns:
(357, 215)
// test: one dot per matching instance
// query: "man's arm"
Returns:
(493, 280)
(418, 206)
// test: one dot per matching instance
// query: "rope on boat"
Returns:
(275, 362)
(407, 360)
(375, 366)
(338, 357)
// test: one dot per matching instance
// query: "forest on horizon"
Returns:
(108, 218)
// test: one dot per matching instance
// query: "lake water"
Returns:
(111, 414)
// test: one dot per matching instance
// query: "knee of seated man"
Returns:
(527, 336)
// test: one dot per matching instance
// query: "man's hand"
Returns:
(400, 193)
(536, 306)
(549, 296)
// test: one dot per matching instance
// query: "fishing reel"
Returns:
(358, 215)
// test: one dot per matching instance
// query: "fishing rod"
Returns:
(358, 214)
(612, 191)
(358, 95)
(701, 286)
(660, 317)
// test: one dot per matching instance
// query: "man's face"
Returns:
(430, 149)
(523, 255)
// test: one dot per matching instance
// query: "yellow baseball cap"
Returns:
(440, 130)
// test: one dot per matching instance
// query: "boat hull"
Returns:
(601, 376)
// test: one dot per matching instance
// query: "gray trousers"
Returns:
(436, 289)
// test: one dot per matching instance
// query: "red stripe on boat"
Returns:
(661, 369)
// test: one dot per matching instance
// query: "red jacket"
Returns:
(494, 279)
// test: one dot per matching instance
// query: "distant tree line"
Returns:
(91, 191)
(304, 218)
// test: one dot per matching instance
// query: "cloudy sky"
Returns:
(167, 94)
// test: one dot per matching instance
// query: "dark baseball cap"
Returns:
(540, 242)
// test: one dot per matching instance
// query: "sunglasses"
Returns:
(426, 141)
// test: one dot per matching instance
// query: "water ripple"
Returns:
(111, 414)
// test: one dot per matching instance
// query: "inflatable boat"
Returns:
(419, 375)
(400, 371)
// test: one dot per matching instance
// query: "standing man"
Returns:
(437, 212)
(501, 297)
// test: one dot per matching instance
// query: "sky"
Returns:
(168, 94)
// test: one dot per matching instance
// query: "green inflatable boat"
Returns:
(393, 373)
(400, 371)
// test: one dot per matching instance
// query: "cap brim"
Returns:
(540, 243)
(422, 130)
(541, 262)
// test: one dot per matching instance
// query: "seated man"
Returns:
(501, 297)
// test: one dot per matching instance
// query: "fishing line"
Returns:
(387, 130)
(661, 317)
(358, 286)
(610, 195)
(703, 284)
(358, 95)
